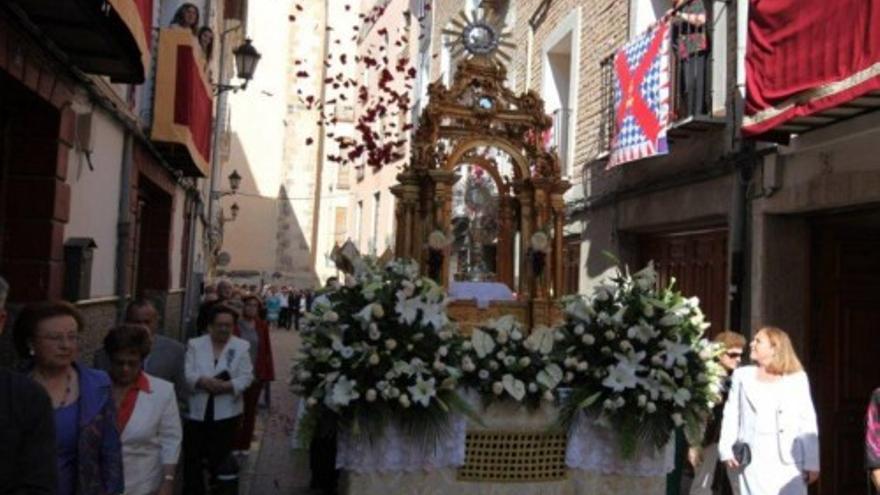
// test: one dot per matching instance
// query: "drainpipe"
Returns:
(216, 134)
(123, 227)
(319, 168)
(740, 218)
(190, 294)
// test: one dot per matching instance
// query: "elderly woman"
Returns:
(89, 454)
(219, 370)
(256, 332)
(147, 417)
(769, 409)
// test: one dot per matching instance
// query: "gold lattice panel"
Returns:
(514, 456)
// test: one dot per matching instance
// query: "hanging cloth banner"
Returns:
(806, 56)
(641, 97)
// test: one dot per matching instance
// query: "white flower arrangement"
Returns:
(379, 350)
(501, 363)
(638, 361)
(438, 240)
(540, 242)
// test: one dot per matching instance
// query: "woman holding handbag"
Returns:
(769, 433)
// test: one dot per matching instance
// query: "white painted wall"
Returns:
(645, 12)
(94, 199)
(177, 223)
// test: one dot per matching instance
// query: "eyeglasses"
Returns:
(734, 355)
(59, 339)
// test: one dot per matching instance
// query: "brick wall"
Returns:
(100, 317)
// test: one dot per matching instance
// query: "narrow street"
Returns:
(273, 466)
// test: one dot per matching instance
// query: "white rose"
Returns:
(588, 339)
(656, 360)
(569, 362)
(533, 387)
(483, 374)
(466, 345)
(374, 359)
(642, 400)
(312, 402)
(620, 402)
(394, 392)
(502, 337)
(445, 335)
(304, 375)
(582, 366)
(331, 316)
(493, 365)
(677, 419)
(370, 395)
(625, 345)
(651, 407)
(378, 312)
(678, 373)
(525, 361)
(579, 330)
(558, 336)
(609, 335)
(509, 361)
(408, 288)
(569, 377)
(443, 351)
(390, 344)
(548, 396)
(608, 404)
(404, 401)
(501, 355)
(374, 332)
(497, 388)
(516, 335)
(335, 362)
(439, 366)
(606, 350)
(467, 365)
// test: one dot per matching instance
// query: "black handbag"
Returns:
(742, 453)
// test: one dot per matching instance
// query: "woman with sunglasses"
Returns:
(711, 474)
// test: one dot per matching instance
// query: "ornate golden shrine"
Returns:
(478, 121)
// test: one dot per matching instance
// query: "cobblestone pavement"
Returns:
(273, 467)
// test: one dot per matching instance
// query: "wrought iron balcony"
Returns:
(690, 78)
(183, 103)
(104, 37)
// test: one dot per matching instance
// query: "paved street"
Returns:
(273, 467)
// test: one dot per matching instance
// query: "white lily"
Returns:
(423, 391)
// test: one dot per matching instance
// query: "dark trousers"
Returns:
(205, 443)
(246, 429)
(692, 87)
(322, 458)
(284, 318)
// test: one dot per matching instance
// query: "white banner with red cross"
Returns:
(641, 97)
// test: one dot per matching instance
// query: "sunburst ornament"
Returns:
(480, 34)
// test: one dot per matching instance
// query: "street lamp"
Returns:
(246, 59)
(234, 184)
(234, 210)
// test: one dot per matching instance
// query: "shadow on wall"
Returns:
(266, 242)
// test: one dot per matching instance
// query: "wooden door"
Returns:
(843, 347)
(698, 262)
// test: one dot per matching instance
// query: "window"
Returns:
(559, 88)
(359, 224)
(374, 238)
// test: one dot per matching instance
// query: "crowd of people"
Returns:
(150, 416)
(152, 410)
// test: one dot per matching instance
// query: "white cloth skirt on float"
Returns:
(767, 474)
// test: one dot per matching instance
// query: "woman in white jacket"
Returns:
(770, 409)
(218, 369)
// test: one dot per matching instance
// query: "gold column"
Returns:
(526, 199)
(558, 243)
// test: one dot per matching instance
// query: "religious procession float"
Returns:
(455, 367)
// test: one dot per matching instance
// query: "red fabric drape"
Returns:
(802, 56)
(145, 9)
(192, 102)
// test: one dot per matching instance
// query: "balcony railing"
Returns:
(109, 37)
(559, 136)
(690, 75)
(183, 103)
